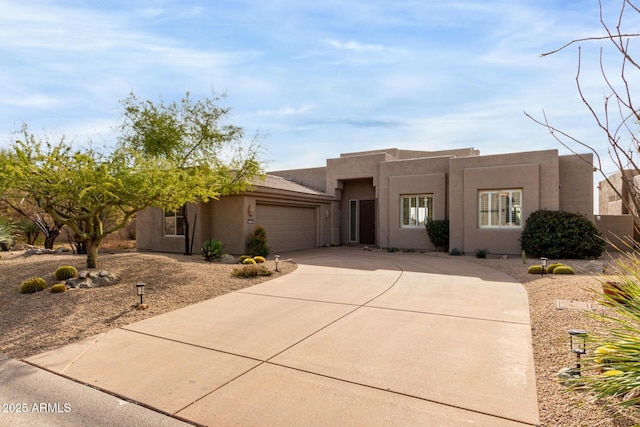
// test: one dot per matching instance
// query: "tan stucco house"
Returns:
(615, 217)
(383, 198)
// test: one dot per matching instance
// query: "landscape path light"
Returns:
(543, 262)
(277, 258)
(140, 290)
(578, 345)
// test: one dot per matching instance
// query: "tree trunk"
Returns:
(50, 238)
(92, 253)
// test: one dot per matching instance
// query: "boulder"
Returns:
(227, 259)
(92, 279)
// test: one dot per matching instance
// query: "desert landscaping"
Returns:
(34, 323)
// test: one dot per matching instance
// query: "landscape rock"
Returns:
(227, 259)
(92, 279)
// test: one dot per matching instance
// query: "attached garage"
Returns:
(294, 216)
(289, 228)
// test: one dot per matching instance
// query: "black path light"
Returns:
(578, 345)
(277, 258)
(543, 262)
(140, 291)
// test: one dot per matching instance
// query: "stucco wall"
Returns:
(415, 176)
(355, 167)
(616, 229)
(575, 196)
(537, 173)
(150, 231)
(227, 218)
(311, 177)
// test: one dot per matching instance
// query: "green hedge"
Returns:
(560, 234)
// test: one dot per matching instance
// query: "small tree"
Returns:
(258, 242)
(192, 135)
(438, 231)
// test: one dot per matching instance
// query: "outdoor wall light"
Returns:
(277, 258)
(140, 290)
(578, 345)
(251, 210)
(543, 262)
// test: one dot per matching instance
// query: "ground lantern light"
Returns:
(277, 258)
(543, 262)
(140, 290)
(578, 345)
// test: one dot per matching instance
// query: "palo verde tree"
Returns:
(192, 136)
(617, 118)
(92, 193)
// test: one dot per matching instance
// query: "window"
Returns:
(500, 208)
(353, 220)
(415, 210)
(174, 223)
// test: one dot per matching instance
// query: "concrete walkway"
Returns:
(352, 337)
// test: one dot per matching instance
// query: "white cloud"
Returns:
(355, 46)
(285, 111)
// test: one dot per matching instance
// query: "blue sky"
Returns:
(315, 79)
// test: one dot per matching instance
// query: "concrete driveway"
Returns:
(352, 337)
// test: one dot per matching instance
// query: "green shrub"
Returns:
(259, 259)
(251, 271)
(57, 288)
(249, 261)
(66, 272)
(536, 269)
(553, 266)
(243, 257)
(258, 242)
(212, 249)
(33, 284)
(455, 252)
(560, 234)
(438, 232)
(481, 253)
(563, 269)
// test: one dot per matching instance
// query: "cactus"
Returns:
(563, 269)
(212, 249)
(259, 259)
(66, 272)
(553, 267)
(33, 284)
(249, 261)
(536, 269)
(243, 257)
(57, 288)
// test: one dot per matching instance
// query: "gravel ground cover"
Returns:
(31, 324)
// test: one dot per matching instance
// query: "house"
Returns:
(615, 218)
(383, 198)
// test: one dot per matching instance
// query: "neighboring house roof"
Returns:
(279, 183)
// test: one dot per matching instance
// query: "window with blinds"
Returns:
(500, 208)
(415, 210)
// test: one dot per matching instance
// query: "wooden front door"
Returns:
(367, 219)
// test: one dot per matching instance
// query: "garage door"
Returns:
(288, 228)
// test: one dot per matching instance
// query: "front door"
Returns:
(367, 219)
